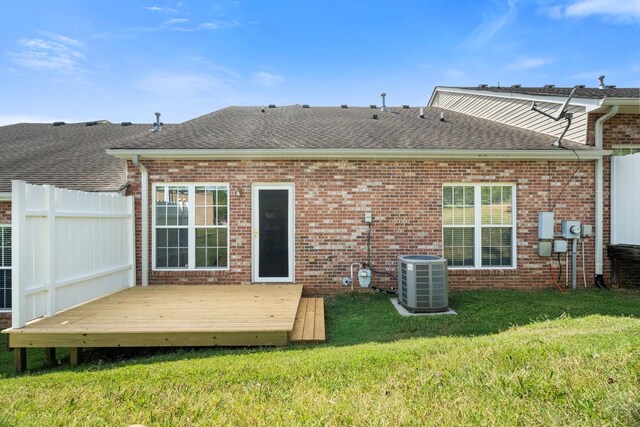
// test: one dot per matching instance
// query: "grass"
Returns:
(508, 358)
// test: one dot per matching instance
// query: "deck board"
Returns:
(171, 315)
(309, 322)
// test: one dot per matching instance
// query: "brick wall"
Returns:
(405, 199)
(5, 212)
(618, 130)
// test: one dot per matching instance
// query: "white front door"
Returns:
(273, 232)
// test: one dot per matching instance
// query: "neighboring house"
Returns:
(255, 195)
(66, 155)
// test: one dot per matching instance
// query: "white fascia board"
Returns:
(5, 197)
(354, 154)
(581, 102)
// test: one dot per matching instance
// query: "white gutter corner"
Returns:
(599, 184)
(144, 237)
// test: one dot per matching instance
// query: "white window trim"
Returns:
(10, 268)
(191, 226)
(477, 226)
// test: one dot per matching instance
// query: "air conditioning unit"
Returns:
(423, 283)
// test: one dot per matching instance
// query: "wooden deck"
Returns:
(159, 316)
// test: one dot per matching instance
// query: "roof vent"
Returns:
(59, 123)
(262, 110)
(375, 117)
(305, 106)
(405, 106)
(91, 123)
(442, 117)
(157, 126)
(422, 112)
(610, 86)
(549, 86)
(372, 106)
(126, 124)
(601, 78)
(516, 86)
(384, 105)
(272, 105)
(483, 85)
(580, 86)
(344, 106)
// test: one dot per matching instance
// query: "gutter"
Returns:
(144, 235)
(599, 184)
(5, 197)
(353, 154)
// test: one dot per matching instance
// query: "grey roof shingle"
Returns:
(294, 127)
(69, 156)
(584, 92)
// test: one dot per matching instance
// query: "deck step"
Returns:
(309, 323)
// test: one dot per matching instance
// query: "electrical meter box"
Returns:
(559, 246)
(570, 229)
(545, 225)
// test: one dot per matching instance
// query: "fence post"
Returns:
(50, 202)
(18, 296)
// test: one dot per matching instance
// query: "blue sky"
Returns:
(79, 60)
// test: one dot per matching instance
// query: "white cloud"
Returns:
(160, 9)
(491, 25)
(204, 26)
(177, 21)
(56, 52)
(524, 64)
(617, 10)
(266, 79)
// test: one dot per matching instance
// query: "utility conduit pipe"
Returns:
(599, 184)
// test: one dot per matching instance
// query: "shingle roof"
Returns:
(585, 92)
(70, 156)
(295, 127)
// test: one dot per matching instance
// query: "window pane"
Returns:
(222, 216)
(161, 237)
(496, 247)
(201, 257)
(201, 237)
(161, 257)
(447, 215)
(222, 257)
(212, 257)
(172, 215)
(458, 245)
(447, 196)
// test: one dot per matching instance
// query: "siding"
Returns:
(514, 112)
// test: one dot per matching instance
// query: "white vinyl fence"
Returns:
(625, 199)
(69, 247)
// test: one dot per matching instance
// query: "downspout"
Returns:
(599, 183)
(144, 232)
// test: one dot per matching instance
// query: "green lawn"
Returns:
(508, 358)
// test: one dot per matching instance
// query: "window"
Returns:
(5, 267)
(625, 150)
(478, 230)
(191, 226)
